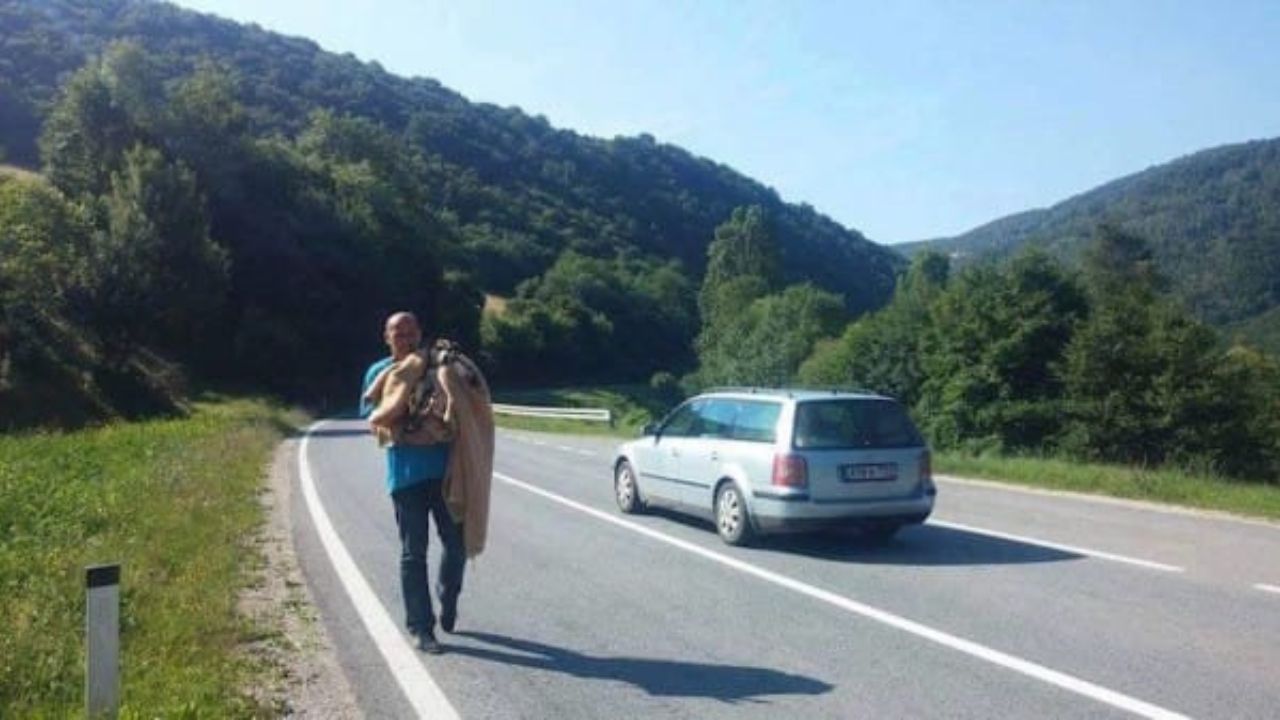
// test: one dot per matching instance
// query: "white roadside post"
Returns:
(102, 639)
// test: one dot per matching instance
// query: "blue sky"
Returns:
(904, 120)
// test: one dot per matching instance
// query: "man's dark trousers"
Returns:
(413, 506)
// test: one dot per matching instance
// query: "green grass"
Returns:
(1167, 485)
(176, 502)
(632, 406)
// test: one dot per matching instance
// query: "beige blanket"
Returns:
(469, 476)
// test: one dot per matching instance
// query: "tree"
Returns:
(19, 126)
(742, 266)
(1249, 442)
(1118, 262)
(990, 358)
(766, 343)
(618, 318)
(104, 109)
(1147, 383)
(882, 351)
(204, 126)
(42, 245)
(744, 245)
(158, 275)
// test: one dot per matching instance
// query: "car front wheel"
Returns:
(625, 490)
(732, 522)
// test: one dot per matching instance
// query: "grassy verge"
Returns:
(176, 502)
(1173, 486)
(632, 406)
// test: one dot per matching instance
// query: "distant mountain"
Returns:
(1213, 220)
(521, 191)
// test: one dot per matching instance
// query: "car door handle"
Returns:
(715, 455)
(675, 452)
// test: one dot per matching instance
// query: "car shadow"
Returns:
(662, 678)
(917, 545)
(914, 545)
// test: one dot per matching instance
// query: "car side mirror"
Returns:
(649, 429)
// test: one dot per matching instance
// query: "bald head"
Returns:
(403, 334)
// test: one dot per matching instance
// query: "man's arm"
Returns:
(371, 391)
(399, 382)
(373, 395)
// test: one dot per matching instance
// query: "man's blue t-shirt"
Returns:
(407, 465)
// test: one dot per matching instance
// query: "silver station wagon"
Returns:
(766, 460)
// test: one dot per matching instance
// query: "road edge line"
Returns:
(419, 688)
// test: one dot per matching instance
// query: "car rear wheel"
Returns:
(732, 522)
(625, 489)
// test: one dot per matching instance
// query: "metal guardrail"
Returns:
(587, 414)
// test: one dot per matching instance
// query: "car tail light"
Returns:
(926, 467)
(790, 470)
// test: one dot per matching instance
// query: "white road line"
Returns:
(418, 686)
(1267, 588)
(565, 448)
(588, 453)
(1150, 565)
(1010, 662)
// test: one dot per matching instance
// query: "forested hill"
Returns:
(1212, 219)
(520, 191)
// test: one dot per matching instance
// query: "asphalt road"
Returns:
(1006, 604)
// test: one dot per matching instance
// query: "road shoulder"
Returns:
(310, 682)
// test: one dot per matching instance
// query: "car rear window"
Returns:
(854, 424)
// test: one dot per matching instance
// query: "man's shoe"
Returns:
(428, 644)
(449, 616)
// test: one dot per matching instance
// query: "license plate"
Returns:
(876, 472)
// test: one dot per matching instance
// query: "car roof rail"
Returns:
(744, 389)
(860, 391)
(837, 389)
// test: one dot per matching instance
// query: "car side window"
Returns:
(716, 419)
(683, 421)
(756, 421)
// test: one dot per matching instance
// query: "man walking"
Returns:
(415, 481)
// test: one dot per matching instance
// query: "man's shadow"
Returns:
(666, 678)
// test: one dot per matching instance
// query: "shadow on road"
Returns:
(666, 678)
(922, 545)
(918, 545)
